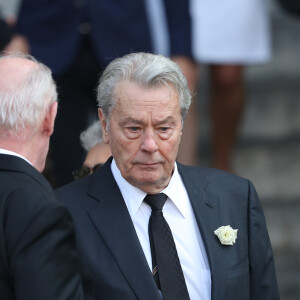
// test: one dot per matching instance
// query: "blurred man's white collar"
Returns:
(8, 152)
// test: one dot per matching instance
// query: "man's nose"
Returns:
(149, 143)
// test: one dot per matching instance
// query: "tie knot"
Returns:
(156, 201)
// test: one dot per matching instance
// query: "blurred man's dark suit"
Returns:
(37, 242)
(113, 257)
(77, 39)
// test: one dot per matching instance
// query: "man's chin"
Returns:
(147, 167)
(149, 182)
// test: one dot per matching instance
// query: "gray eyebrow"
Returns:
(131, 120)
(166, 120)
(139, 122)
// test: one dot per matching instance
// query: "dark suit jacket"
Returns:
(119, 27)
(113, 257)
(38, 260)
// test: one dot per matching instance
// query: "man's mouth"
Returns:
(148, 164)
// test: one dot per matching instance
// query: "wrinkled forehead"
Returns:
(135, 102)
(126, 89)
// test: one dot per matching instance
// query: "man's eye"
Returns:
(133, 129)
(163, 129)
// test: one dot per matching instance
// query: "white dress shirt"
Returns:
(179, 214)
(8, 152)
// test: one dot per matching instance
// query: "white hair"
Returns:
(146, 70)
(25, 104)
(91, 136)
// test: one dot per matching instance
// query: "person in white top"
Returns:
(215, 218)
(227, 36)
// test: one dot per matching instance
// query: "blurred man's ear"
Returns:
(50, 119)
(103, 126)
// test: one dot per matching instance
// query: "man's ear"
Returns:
(103, 122)
(49, 119)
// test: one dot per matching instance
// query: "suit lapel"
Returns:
(114, 224)
(207, 212)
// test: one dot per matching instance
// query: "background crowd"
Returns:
(77, 39)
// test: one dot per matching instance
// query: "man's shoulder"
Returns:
(73, 189)
(207, 177)
(22, 190)
(77, 191)
(99, 180)
(208, 173)
(226, 189)
(15, 172)
(23, 198)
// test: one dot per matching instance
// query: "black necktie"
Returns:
(167, 270)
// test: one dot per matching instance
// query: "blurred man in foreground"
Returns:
(38, 260)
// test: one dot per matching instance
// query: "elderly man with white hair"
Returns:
(150, 228)
(38, 259)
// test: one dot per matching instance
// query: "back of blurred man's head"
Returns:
(28, 106)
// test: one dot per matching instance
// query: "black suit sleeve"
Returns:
(263, 285)
(41, 246)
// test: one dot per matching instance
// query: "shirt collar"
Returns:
(8, 152)
(175, 192)
(134, 197)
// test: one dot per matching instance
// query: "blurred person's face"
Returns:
(98, 154)
(95, 159)
(144, 134)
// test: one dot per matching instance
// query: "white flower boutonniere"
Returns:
(226, 235)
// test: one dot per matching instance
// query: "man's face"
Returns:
(144, 134)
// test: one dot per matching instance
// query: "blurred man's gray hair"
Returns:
(24, 105)
(146, 70)
(91, 136)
